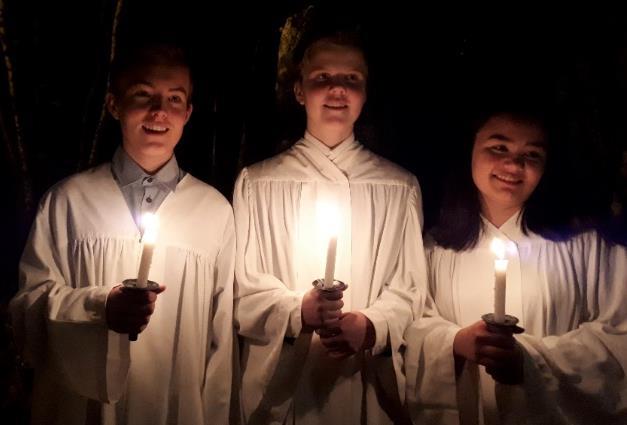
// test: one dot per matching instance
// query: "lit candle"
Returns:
(150, 224)
(328, 220)
(500, 280)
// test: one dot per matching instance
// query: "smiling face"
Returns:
(152, 107)
(332, 89)
(508, 160)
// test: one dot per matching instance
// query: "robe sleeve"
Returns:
(579, 377)
(265, 307)
(402, 298)
(265, 312)
(217, 390)
(60, 324)
(430, 365)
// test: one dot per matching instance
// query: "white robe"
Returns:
(287, 376)
(571, 298)
(83, 242)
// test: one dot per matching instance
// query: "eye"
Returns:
(353, 78)
(175, 98)
(141, 93)
(535, 156)
(322, 77)
(498, 149)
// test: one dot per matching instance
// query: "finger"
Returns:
(330, 314)
(138, 297)
(488, 362)
(158, 290)
(336, 340)
(495, 353)
(145, 309)
(331, 295)
(332, 324)
(496, 340)
(328, 331)
(331, 305)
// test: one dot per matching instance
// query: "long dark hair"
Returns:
(547, 212)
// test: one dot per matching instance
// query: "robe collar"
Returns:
(333, 154)
(511, 229)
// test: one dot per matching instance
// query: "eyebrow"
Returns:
(149, 84)
(503, 138)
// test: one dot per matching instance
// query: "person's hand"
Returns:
(354, 332)
(321, 309)
(498, 352)
(128, 311)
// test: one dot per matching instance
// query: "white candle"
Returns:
(500, 280)
(150, 225)
(330, 268)
(328, 222)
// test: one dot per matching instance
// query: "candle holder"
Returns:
(131, 284)
(509, 326)
(338, 285)
(509, 375)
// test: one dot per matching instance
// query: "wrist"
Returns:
(370, 337)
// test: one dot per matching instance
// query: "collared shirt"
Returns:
(144, 192)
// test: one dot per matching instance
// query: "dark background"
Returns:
(430, 67)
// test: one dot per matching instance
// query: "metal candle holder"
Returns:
(131, 284)
(338, 285)
(509, 326)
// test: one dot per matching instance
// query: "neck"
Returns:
(150, 165)
(497, 215)
(331, 138)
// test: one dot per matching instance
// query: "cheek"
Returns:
(534, 175)
(177, 112)
(477, 167)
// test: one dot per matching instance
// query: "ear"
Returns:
(188, 113)
(298, 92)
(111, 106)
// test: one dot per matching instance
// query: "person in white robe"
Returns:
(72, 317)
(569, 296)
(289, 373)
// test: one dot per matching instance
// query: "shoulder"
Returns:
(375, 168)
(80, 185)
(199, 192)
(289, 165)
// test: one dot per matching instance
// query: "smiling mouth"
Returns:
(507, 179)
(155, 129)
(336, 107)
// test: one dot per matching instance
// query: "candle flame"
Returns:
(498, 248)
(150, 224)
(328, 218)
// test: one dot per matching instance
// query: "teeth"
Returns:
(153, 127)
(507, 178)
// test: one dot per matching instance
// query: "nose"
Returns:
(337, 83)
(515, 161)
(158, 106)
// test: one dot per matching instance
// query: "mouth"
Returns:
(155, 128)
(507, 179)
(336, 107)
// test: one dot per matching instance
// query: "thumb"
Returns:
(159, 290)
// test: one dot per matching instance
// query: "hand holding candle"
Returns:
(150, 225)
(500, 279)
